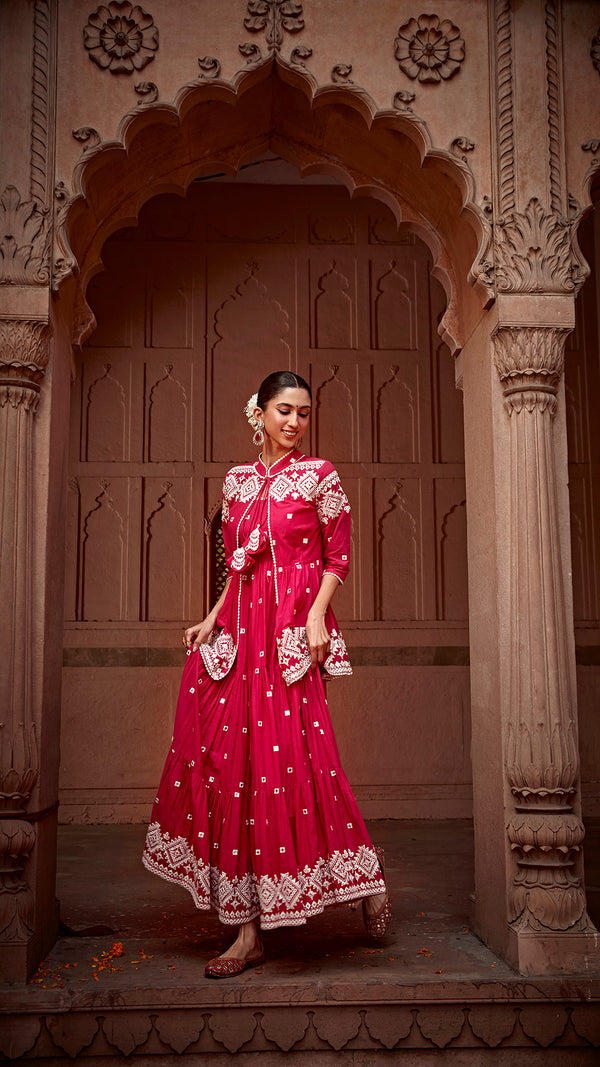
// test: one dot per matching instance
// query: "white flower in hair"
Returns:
(249, 412)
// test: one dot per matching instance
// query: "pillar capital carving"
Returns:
(529, 361)
(24, 354)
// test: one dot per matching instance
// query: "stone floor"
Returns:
(324, 987)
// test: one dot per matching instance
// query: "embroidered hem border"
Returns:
(277, 900)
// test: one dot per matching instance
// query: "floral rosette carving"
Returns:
(121, 37)
(429, 49)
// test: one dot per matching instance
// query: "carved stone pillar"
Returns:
(23, 360)
(546, 898)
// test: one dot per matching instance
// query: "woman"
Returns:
(254, 815)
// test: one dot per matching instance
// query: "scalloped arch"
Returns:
(335, 130)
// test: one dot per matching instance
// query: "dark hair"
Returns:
(275, 382)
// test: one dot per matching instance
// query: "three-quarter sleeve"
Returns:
(333, 509)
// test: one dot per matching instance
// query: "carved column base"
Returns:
(28, 908)
(17, 838)
(531, 952)
(547, 893)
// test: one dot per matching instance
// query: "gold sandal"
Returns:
(229, 967)
(377, 925)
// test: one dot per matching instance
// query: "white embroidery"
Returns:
(279, 900)
(218, 654)
(294, 655)
(331, 499)
(298, 480)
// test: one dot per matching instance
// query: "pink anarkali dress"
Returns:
(254, 814)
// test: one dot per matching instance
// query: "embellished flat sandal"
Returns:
(228, 967)
(377, 924)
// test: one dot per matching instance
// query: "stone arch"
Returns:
(336, 130)
(114, 190)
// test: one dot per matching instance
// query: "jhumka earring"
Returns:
(259, 436)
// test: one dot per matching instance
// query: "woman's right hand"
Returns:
(198, 634)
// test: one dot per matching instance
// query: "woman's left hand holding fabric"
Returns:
(201, 631)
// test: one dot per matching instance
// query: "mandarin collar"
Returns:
(269, 472)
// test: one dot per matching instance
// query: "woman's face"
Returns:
(286, 417)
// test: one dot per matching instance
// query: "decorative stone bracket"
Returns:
(24, 248)
(532, 251)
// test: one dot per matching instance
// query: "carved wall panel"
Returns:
(397, 414)
(333, 291)
(447, 411)
(107, 415)
(167, 533)
(335, 393)
(250, 328)
(451, 537)
(337, 227)
(103, 549)
(399, 550)
(394, 299)
(169, 412)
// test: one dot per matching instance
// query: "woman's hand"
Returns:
(317, 637)
(198, 634)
